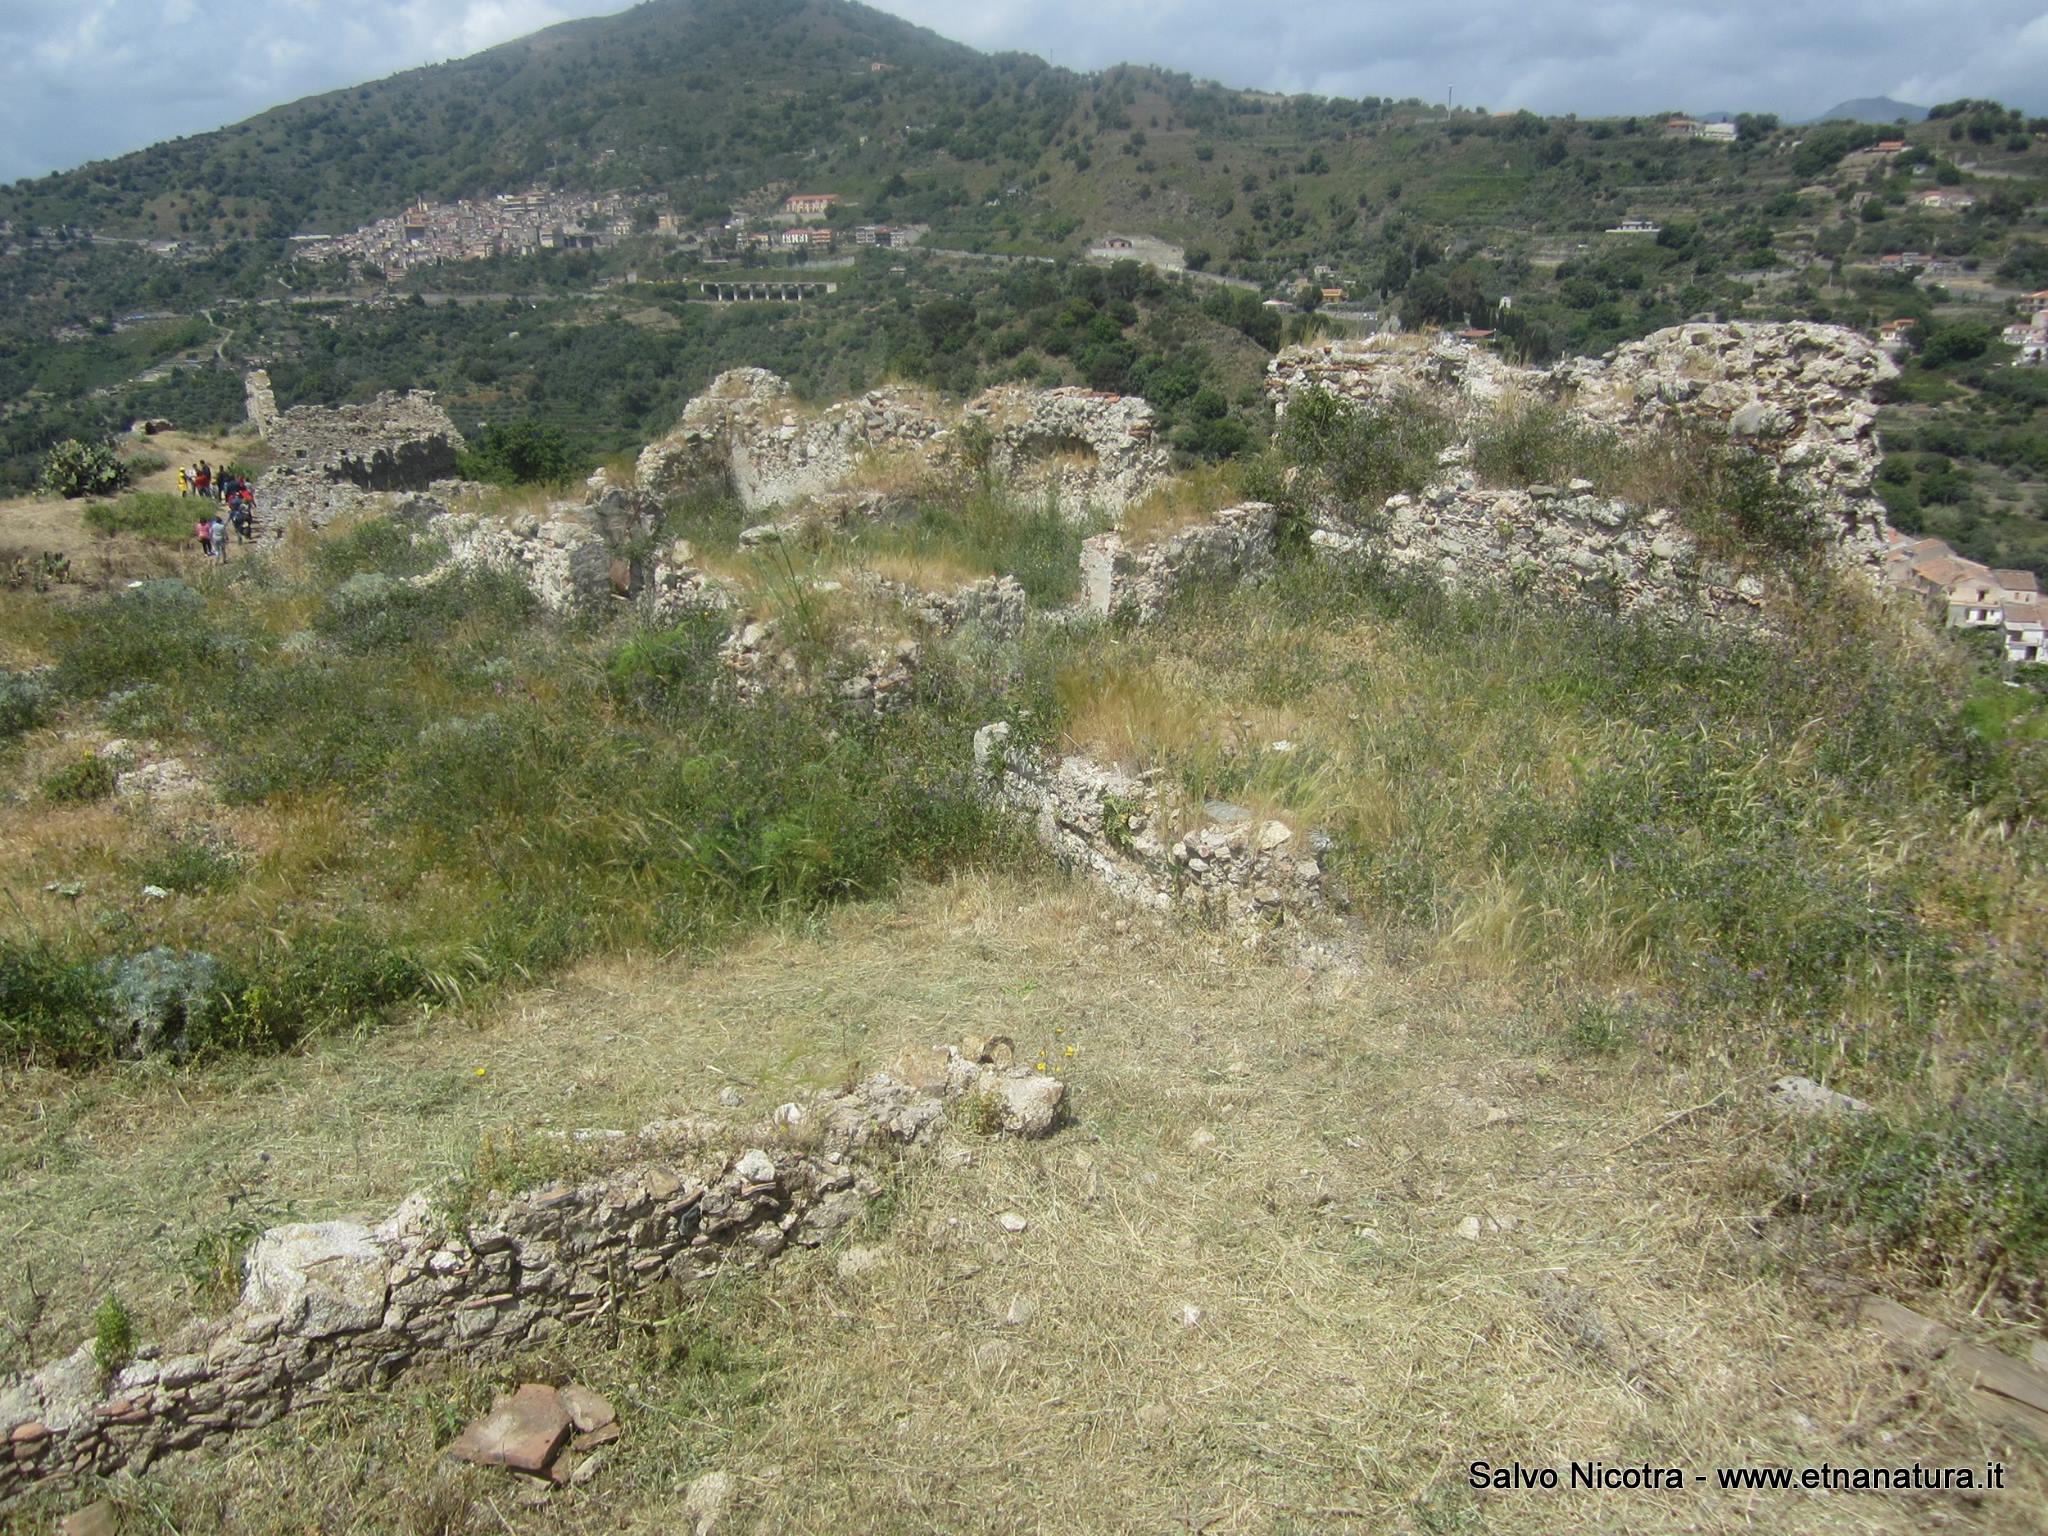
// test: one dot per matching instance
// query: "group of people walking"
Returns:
(237, 506)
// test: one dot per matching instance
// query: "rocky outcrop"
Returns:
(1135, 582)
(334, 1306)
(330, 461)
(749, 432)
(1128, 834)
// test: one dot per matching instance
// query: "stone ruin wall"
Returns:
(1801, 394)
(260, 401)
(330, 461)
(748, 431)
(1135, 582)
(330, 1307)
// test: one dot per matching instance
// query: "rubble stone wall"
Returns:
(749, 432)
(1136, 582)
(1564, 544)
(565, 563)
(329, 1307)
(331, 461)
(1800, 392)
(260, 401)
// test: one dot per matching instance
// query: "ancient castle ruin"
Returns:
(1087, 449)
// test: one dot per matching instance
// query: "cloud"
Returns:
(85, 79)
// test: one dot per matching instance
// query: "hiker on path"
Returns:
(204, 529)
(242, 516)
(184, 481)
(202, 478)
(220, 538)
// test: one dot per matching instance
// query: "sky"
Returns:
(86, 79)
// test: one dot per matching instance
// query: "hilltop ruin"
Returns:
(1084, 448)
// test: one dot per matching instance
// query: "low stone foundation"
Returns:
(1120, 830)
(329, 1307)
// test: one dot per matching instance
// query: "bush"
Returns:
(113, 1335)
(1959, 1196)
(88, 778)
(74, 469)
(136, 636)
(24, 698)
(518, 453)
(50, 1004)
(1364, 454)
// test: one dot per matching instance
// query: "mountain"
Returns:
(675, 93)
(1872, 109)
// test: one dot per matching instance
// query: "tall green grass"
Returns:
(157, 516)
(512, 795)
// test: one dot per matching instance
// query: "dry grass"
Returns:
(1191, 497)
(898, 473)
(940, 569)
(1290, 1157)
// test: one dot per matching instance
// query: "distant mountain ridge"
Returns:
(1872, 109)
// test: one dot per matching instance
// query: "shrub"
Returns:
(1960, 1195)
(517, 453)
(24, 699)
(137, 636)
(1364, 454)
(50, 1004)
(187, 863)
(74, 469)
(113, 1335)
(84, 779)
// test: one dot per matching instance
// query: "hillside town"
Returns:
(540, 219)
(510, 224)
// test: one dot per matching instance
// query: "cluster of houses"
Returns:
(1972, 596)
(1711, 133)
(2030, 336)
(510, 224)
(784, 231)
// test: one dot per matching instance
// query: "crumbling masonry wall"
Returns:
(1802, 395)
(330, 461)
(1135, 582)
(1086, 448)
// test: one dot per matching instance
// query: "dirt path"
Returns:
(1308, 1250)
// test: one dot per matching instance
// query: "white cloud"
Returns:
(84, 79)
